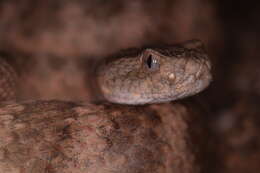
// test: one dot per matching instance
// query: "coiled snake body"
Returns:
(7, 81)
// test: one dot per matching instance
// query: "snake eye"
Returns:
(152, 63)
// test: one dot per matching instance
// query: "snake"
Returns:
(137, 76)
(42, 136)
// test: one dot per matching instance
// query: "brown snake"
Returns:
(64, 137)
(142, 76)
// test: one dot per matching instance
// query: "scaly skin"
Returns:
(70, 137)
(7, 81)
(178, 71)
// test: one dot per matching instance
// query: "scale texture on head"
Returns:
(155, 74)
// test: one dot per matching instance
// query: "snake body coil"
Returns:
(7, 81)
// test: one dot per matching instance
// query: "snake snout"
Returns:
(197, 74)
(193, 67)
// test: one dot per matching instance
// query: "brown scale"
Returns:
(7, 82)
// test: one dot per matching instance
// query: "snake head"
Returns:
(156, 74)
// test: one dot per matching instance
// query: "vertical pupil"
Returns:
(149, 61)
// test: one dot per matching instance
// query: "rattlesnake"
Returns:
(58, 136)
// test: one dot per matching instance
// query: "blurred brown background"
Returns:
(54, 44)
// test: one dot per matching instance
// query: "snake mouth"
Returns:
(203, 77)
